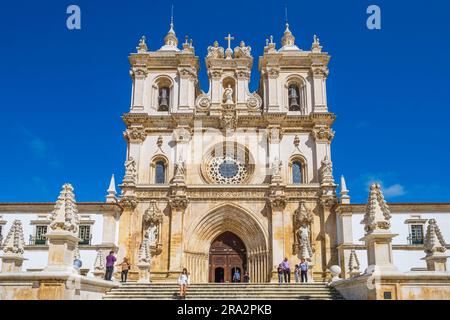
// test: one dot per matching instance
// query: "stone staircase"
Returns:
(225, 291)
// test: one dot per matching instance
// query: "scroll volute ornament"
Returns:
(153, 218)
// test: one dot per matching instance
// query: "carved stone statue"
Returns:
(130, 170)
(242, 50)
(228, 95)
(152, 234)
(179, 168)
(276, 167)
(215, 51)
(304, 242)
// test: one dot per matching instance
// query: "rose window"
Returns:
(226, 170)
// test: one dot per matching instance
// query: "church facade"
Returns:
(229, 179)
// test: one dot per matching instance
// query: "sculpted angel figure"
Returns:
(215, 51)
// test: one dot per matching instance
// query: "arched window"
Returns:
(294, 97)
(160, 172)
(297, 172)
(163, 98)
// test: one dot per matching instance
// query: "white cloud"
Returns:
(394, 191)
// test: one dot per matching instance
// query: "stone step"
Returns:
(230, 291)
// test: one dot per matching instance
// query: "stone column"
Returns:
(178, 206)
(138, 74)
(344, 236)
(277, 204)
(126, 249)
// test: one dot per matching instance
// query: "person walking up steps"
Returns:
(125, 266)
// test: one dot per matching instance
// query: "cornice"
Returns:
(160, 122)
(403, 207)
(47, 207)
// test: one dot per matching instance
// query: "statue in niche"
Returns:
(130, 169)
(228, 94)
(303, 238)
(152, 234)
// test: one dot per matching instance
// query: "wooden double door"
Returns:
(226, 255)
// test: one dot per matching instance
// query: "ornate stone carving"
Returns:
(159, 142)
(273, 73)
(243, 74)
(144, 256)
(277, 202)
(323, 133)
(254, 102)
(215, 74)
(65, 214)
(296, 141)
(229, 119)
(181, 135)
(180, 171)
(138, 72)
(178, 202)
(14, 243)
(303, 219)
(99, 265)
(353, 264)
(128, 203)
(203, 102)
(326, 171)
(274, 134)
(215, 51)
(242, 51)
(275, 170)
(434, 241)
(142, 48)
(135, 134)
(227, 170)
(378, 215)
(130, 172)
(316, 47)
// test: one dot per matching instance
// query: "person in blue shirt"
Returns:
(304, 270)
(236, 276)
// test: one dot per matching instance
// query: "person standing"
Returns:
(280, 273)
(110, 260)
(236, 275)
(125, 266)
(304, 270)
(297, 273)
(246, 277)
(286, 270)
(183, 281)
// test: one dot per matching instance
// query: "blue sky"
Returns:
(62, 92)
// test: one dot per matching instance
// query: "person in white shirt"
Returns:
(183, 281)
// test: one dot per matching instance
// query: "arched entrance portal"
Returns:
(245, 226)
(226, 255)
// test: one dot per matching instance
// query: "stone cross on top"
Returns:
(229, 38)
